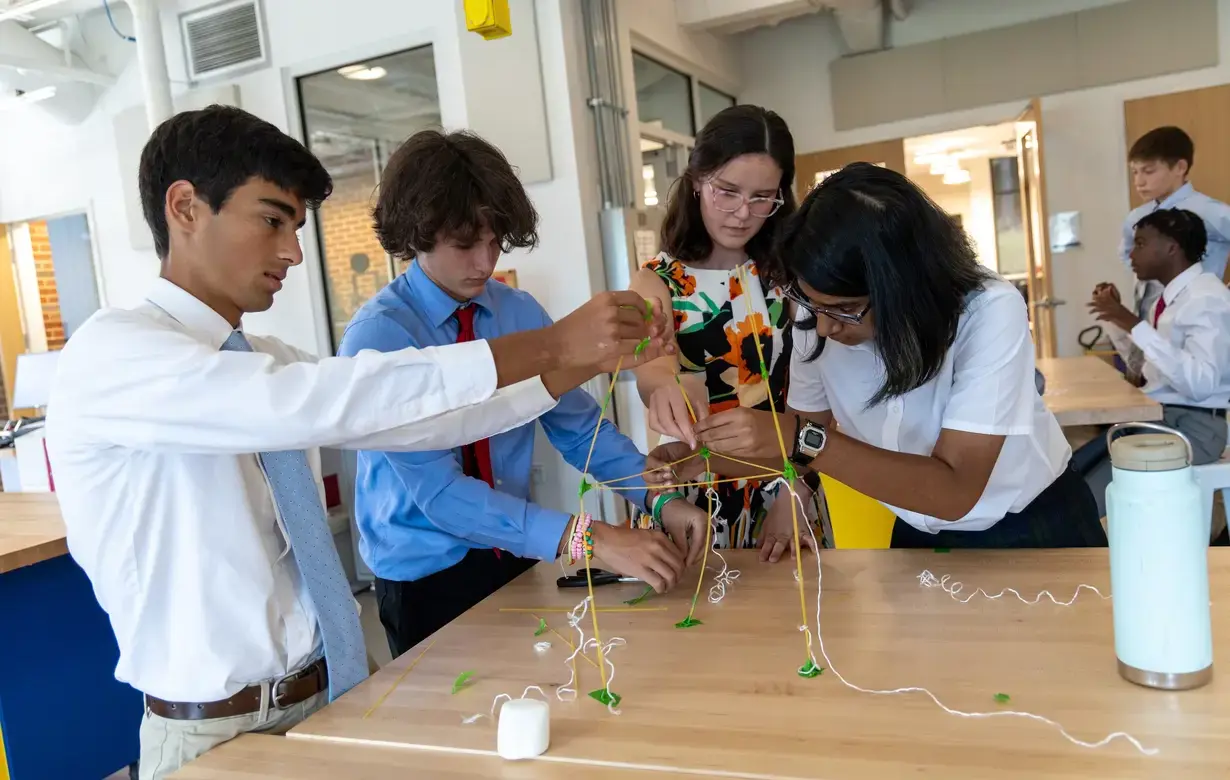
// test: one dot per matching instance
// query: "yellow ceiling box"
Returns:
(488, 18)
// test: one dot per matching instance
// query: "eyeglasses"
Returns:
(793, 292)
(729, 201)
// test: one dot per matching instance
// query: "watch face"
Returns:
(813, 438)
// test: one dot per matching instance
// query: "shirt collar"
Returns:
(1180, 283)
(1176, 197)
(191, 312)
(438, 305)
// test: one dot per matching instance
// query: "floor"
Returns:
(373, 633)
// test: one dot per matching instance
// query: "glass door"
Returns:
(354, 117)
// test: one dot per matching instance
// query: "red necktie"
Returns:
(476, 457)
(1157, 311)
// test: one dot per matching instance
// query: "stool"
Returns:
(1212, 477)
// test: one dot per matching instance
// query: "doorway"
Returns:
(48, 289)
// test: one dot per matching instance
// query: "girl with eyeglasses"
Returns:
(912, 377)
(720, 223)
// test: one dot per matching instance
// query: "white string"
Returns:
(979, 715)
(726, 576)
(495, 702)
(928, 580)
(574, 619)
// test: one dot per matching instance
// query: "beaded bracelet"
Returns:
(589, 542)
(581, 534)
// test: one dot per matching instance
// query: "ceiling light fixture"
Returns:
(956, 176)
(26, 98)
(363, 72)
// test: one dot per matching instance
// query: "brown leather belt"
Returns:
(290, 690)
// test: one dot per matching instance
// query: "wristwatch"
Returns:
(808, 443)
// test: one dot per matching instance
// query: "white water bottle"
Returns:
(1159, 569)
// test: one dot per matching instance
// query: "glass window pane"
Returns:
(663, 95)
(711, 102)
(353, 118)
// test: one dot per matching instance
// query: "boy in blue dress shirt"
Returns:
(443, 530)
(1160, 162)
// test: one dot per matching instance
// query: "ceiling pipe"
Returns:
(25, 9)
(28, 63)
(152, 60)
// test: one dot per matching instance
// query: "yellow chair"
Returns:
(858, 522)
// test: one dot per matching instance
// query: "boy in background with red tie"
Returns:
(443, 530)
(1180, 352)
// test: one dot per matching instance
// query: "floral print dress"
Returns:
(715, 319)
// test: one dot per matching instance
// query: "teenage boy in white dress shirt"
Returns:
(1180, 351)
(177, 441)
(1160, 162)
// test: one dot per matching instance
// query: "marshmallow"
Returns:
(524, 730)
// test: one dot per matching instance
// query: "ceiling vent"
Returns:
(224, 38)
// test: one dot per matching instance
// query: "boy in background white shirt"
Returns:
(1180, 350)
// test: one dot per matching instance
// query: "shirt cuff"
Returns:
(467, 371)
(544, 527)
(1144, 335)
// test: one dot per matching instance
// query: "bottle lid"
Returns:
(1149, 452)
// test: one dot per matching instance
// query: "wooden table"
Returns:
(254, 756)
(55, 644)
(1089, 391)
(31, 530)
(724, 697)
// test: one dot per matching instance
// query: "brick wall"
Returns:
(46, 274)
(346, 227)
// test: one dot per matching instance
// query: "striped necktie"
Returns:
(298, 504)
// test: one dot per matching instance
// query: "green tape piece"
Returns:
(1003, 698)
(648, 310)
(705, 453)
(942, 549)
(688, 622)
(606, 697)
(789, 473)
(810, 669)
(586, 486)
(461, 680)
(542, 627)
(644, 595)
(641, 347)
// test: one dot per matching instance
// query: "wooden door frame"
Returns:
(1040, 284)
(891, 153)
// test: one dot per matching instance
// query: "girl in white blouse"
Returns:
(912, 378)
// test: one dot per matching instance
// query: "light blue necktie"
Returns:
(298, 502)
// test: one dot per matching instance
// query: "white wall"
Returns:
(786, 68)
(655, 31)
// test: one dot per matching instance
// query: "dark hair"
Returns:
(451, 185)
(1181, 226)
(731, 133)
(1168, 144)
(869, 231)
(218, 149)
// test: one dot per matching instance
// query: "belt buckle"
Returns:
(275, 690)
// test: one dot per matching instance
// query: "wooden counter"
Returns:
(724, 696)
(31, 530)
(254, 756)
(1089, 391)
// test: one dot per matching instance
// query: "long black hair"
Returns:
(732, 132)
(869, 231)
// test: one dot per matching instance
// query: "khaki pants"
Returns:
(167, 745)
